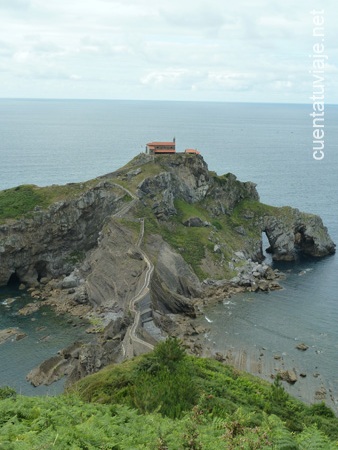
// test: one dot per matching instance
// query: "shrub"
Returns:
(169, 353)
(320, 409)
(7, 392)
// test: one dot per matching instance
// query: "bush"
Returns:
(7, 392)
(163, 381)
(320, 409)
(169, 353)
(217, 224)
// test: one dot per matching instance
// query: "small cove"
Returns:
(47, 333)
(260, 331)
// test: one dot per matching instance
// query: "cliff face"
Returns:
(112, 272)
(297, 233)
(49, 243)
(188, 179)
(174, 285)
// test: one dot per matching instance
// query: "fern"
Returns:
(281, 437)
(218, 423)
(285, 441)
(313, 439)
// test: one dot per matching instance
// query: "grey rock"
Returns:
(288, 376)
(133, 173)
(71, 281)
(296, 232)
(240, 230)
(194, 222)
(240, 255)
(135, 254)
(321, 393)
(8, 334)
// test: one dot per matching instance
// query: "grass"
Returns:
(166, 400)
(21, 200)
(174, 385)
(196, 244)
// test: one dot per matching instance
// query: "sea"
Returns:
(47, 142)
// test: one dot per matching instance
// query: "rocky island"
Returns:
(140, 251)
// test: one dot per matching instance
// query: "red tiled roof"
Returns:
(192, 150)
(160, 143)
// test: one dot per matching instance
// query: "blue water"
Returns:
(45, 142)
(46, 333)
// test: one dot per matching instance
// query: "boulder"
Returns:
(135, 254)
(7, 334)
(194, 222)
(303, 347)
(71, 281)
(217, 248)
(288, 376)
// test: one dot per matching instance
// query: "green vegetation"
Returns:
(191, 243)
(17, 202)
(75, 257)
(254, 208)
(196, 244)
(166, 400)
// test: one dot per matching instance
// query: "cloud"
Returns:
(6, 49)
(185, 79)
(254, 49)
(229, 81)
(93, 45)
(199, 17)
(14, 4)
(173, 79)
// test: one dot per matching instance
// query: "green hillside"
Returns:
(166, 400)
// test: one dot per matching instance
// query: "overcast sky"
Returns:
(238, 50)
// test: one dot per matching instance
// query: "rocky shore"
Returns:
(91, 256)
(11, 334)
(308, 386)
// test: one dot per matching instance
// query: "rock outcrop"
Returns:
(174, 286)
(295, 233)
(188, 179)
(93, 252)
(113, 270)
(81, 359)
(48, 244)
(11, 334)
(289, 231)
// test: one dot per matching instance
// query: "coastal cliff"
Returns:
(201, 232)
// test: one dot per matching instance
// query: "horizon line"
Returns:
(158, 100)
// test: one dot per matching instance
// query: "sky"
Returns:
(190, 50)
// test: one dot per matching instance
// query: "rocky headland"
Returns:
(139, 253)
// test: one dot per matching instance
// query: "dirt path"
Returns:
(131, 340)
